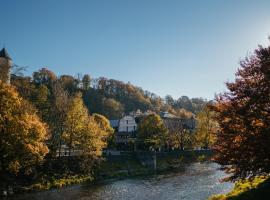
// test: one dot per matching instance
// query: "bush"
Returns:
(248, 189)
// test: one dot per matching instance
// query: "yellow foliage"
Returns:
(85, 132)
(22, 133)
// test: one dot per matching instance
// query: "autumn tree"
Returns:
(60, 106)
(243, 137)
(104, 125)
(88, 134)
(152, 131)
(112, 108)
(206, 128)
(179, 132)
(69, 83)
(76, 119)
(44, 76)
(78, 127)
(22, 134)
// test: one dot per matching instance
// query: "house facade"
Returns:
(127, 124)
(125, 129)
(171, 120)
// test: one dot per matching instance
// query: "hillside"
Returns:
(108, 97)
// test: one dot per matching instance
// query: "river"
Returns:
(197, 181)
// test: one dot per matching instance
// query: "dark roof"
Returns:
(167, 115)
(4, 54)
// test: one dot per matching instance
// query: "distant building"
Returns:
(127, 124)
(5, 66)
(172, 120)
(124, 128)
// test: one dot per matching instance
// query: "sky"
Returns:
(176, 47)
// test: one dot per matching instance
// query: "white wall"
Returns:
(127, 124)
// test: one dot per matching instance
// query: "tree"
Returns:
(69, 83)
(184, 102)
(60, 108)
(88, 134)
(78, 129)
(22, 134)
(206, 128)
(179, 134)
(44, 76)
(112, 108)
(243, 139)
(92, 140)
(86, 81)
(76, 119)
(169, 100)
(105, 127)
(152, 131)
(103, 123)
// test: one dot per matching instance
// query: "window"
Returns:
(127, 121)
(127, 128)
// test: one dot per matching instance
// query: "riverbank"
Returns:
(257, 188)
(115, 168)
(195, 181)
(131, 165)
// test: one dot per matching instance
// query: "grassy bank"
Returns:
(126, 166)
(255, 189)
(54, 182)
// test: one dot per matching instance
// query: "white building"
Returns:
(127, 124)
(124, 129)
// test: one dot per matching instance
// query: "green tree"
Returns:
(152, 131)
(22, 134)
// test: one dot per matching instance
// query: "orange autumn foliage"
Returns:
(243, 115)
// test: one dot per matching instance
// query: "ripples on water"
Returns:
(197, 182)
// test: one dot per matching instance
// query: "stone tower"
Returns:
(5, 66)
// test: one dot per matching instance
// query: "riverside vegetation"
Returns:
(41, 113)
(243, 140)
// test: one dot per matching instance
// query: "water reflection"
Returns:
(197, 182)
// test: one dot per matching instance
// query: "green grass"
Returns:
(58, 183)
(255, 189)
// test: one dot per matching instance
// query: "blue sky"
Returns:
(165, 46)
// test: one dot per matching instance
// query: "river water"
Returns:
(197, 181)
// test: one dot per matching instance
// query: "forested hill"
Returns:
(105, 96)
